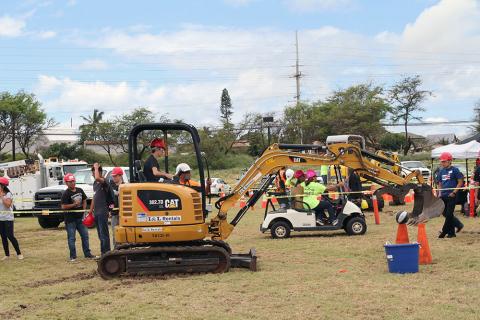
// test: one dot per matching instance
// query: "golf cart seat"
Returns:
(299, 206)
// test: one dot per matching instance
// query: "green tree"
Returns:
(22, 119)
(358, 109)
(88, 131)
(226, 108)
(392, 141)
(298, 125)
(62, 151)
(406, 98)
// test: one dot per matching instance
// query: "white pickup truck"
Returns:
(48, 199)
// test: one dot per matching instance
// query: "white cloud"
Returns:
(93, 64)
(11, 27)
(316, 5)
(71, 3)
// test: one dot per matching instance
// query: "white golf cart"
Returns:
(282, 220)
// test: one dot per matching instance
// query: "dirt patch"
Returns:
(50, 282)
(76, 294)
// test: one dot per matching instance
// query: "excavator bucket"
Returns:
(425, 206)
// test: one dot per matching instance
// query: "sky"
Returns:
(175, 57)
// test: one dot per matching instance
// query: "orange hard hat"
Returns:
(446, 156)
(4, 181)
(69, 177)
(117, 171)
(157, 143)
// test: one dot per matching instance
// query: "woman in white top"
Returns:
(6, 219)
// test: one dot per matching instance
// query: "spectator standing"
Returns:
(6, 220)
(100, 207)
(117, 180)
(74, 199)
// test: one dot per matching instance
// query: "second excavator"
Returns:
(165, 227)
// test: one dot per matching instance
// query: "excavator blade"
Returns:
(425, 206)
(244, 260)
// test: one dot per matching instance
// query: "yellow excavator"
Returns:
(164, 227)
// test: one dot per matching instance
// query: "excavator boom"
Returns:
(426, 206)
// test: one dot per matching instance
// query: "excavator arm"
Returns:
(349, 155)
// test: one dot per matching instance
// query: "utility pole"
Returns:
(297, 74)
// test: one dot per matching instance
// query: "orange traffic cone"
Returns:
(425, 256)
(242, 202)
(408, 198)
(264, 201)
(402, 234)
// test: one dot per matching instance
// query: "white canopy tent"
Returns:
(469, 150)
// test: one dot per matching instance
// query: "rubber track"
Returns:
(218, 248)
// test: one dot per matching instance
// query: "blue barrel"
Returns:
(402, 258)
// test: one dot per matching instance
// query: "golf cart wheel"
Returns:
(356, 226)
(280, 230)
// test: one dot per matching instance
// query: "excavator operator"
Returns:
(151, 168)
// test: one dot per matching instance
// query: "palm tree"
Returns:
(92, 123)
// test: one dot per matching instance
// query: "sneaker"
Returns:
(335, 222)
(451, 235)
(20, 257)
(92, 257)
(5, 258)
(320, 222)
(73, 259)
(442, 235)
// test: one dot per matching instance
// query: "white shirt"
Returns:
(6, 214)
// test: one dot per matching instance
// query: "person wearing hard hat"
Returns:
(75, 199)
(449, 179)
(6, 220)
(151, 168)
(117, 180)
(183, 176)
(312, 190)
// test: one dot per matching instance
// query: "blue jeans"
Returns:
(101, 221)
(71, 227)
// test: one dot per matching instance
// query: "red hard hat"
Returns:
(298, 174)
(69, 177)
(117, 171)
(157, 143)
(4, 181)
(88, 221)
(446, 156)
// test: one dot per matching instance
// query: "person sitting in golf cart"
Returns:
(313, 190)
(296, 189)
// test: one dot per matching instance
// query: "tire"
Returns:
(356, 226)
(48, 223)
(280, 230)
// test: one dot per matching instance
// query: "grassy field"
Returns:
(310, 276)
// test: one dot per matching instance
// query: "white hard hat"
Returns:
(289, 173)
(182, 167)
